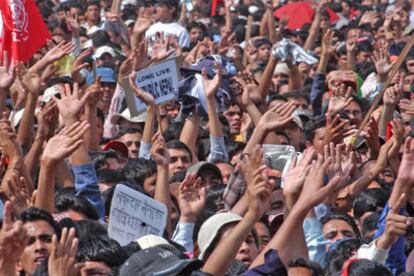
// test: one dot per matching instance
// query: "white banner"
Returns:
(160, 80)
(134, 215)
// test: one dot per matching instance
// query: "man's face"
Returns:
(279, 77)
(301, 103)
(406, 118)
(91, 268)
(407, 82)
(263, 53)
(133, 142)
(264, 234)
(39, 247)
(163, 12)
(295, 134)
(92, 13)
(317, 141)
(337, 229)
(234, 115)
(149, 184)
(353, 110)
(196, 34)
(179, 160)
(363, 56)
(226, 171)
(248, 251)
(108, 90)
(410, 66)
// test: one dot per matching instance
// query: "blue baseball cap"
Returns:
(107, 75)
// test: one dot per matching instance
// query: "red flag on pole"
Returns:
(24, 31)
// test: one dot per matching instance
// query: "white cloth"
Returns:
(169, 29)
(371, 252)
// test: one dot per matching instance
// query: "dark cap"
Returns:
(159, 261)
(204, 166)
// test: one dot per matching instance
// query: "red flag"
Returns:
(214, 5)
(24, 31)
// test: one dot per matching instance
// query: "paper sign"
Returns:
(134, 215)
(160, 80)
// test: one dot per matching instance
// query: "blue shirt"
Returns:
(86, 185)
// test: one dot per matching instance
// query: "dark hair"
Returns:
(298, 95)
(348, 219)
(312, 125)
(101, 248)
(108, 176)
(100, 38)
(67, 200)
(34, 214)
(137, 170)
(122, 132)
(368, 201)
(86, 228)
(370, 224)
(178, 145)
(365, 47)
(342, 251)
(364, 267)
(314, 267)
(198, 25)
(92, 3)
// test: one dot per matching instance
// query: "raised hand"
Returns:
(396, 225)
(328, 48)
(8, 141)
(94, 92)
(78, 65)
(47, 120)
(405, 172)
(159, 151)
(13, 237)
(65, 142)
(336, 129)
(143, 22)
(63, 256)
(73, 23)
(19, 194)
(407, 106)
(161, 48)
(32, 82)
(392, 95)
(147, 98)
(277, 116)
(314, 191)
(295, 177)
(211, 86)
(59, 51)
(382, 65)
(191, 198)
(7, 72)
(69, 104)
(259, 188)
(371, 136)
(341, 98)
(398, 137)
(335, 155)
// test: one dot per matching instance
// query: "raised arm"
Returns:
(149, 100)
(259, 190)
(159, 153)
(217, 149)
(31, 82)
(315, 27)
(57, 149)
(91, 136)
(7, 75)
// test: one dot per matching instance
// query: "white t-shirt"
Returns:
(169, 29)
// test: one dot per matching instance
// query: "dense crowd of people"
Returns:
(260, 82)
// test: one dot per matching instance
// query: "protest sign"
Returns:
(160, 80)
(134, 215)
